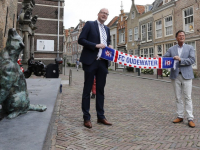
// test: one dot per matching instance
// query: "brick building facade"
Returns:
(8, 18)
(73, 49)
(186, 14)
(47, 29)
(112, 25)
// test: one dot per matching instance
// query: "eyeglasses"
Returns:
(104, 13)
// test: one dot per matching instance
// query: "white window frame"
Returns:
(159, 53)
(143, 31)
(151, 53)
(130, 35)
(167, 25)
(158, 29)
(136, 52)
(167, 47)
(135, 34)
(130, 52)
(122, 37)
(141, 53)
(149, 30)
(144, 52)
(190, 24)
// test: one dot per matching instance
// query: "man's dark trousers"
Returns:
(99, 69)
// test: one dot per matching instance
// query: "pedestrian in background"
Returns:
(77, 64)
(93, 89)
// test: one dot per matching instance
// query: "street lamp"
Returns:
(125, 51)
(64, 57)
(138, 44)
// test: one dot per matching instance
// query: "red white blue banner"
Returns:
(135, 61)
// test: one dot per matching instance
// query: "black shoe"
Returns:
(93, 96)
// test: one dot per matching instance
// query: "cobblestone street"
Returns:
(141, 111)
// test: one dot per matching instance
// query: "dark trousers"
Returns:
(99, 69)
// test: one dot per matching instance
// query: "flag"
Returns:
(135, 61)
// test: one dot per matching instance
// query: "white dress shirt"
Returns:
(180, 49)
(101, 39)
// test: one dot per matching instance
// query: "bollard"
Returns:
(64, 66)
(70, 77)
(60, 88)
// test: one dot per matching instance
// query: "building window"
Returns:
(121, 18)
(168, 26)
(136, 52)
(167, 46)
(159, 50)
(188, 19)
(145, 52)
(114, 41)
(133, 15)
(143, 32)
(130, 52)
(141, 53)
(192, 43)
(122, 38)
(158, 29)
(151, 54)
(111, 40)
(148, 8)
(130, 34)
(136, 33)
(149, 31)
(76, 38)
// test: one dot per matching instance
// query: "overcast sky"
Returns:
(87, 10)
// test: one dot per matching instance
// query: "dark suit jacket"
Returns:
(89, 38)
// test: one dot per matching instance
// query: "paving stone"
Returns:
(141, 111)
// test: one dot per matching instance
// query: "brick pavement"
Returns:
(141, 111)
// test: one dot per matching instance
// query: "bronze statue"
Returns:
(28, 13)
(13, 89)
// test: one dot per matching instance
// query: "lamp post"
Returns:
(138, 44)
(64, 62)
(125, 51)
(58, 28)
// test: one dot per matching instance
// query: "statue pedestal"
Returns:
(32, 131)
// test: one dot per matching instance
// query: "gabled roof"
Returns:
(113, 21)
(140, 9)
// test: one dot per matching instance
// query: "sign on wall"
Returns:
(45, 45)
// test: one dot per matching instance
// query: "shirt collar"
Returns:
(99, 22)
(182, 46)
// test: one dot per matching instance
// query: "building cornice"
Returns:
(42, 34)
(146, 17)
